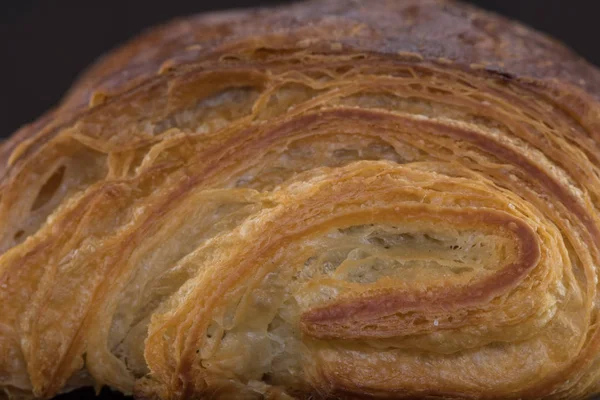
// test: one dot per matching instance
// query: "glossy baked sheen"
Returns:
(336, 199)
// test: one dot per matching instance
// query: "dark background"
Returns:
(45, 44)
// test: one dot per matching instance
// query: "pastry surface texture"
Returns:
(329, 200)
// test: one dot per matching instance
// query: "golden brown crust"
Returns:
(331, 199)
(437, 31)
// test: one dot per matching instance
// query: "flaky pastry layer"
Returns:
(333, 199)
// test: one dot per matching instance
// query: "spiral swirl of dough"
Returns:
(324, 200)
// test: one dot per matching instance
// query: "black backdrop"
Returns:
(45, 44)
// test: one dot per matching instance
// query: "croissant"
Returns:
(333, 199)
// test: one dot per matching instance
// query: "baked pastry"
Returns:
(333, 199)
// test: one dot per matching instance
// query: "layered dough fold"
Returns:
(312, 201)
